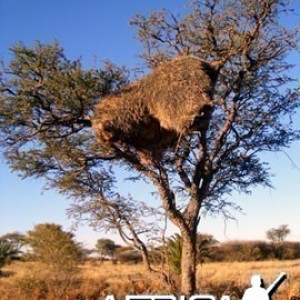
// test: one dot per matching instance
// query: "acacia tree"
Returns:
(47, 101)
(278, 236)
(106, 247)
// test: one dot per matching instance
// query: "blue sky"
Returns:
(100, 29)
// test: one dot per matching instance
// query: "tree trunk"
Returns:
(146, 261)
(188, 263)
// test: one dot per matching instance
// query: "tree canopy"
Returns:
(279, 234)
(51, 245)
(106, 248)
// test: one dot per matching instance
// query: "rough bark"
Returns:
(188, 263)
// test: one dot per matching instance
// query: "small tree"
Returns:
(278, 236)
(106, 248)
(134, 221)
(55, 248)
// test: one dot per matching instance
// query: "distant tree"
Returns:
(106, 248)
(55, 248)
(279, 234)
(128, 255)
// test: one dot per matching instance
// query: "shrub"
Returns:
(8, 252)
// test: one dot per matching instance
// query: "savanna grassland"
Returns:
(31, 280)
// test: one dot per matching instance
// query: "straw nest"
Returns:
(150, 114)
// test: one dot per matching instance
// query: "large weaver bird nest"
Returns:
(151, 113)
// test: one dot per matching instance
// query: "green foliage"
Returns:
(8, 252)
(54, 247)
(46, 103)
(174, 251)
(16, 238)
(205, 250)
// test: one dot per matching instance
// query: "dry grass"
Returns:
(235, 276)
(29, 280)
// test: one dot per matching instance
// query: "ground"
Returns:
(28, 280)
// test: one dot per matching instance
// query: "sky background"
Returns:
(99, 29)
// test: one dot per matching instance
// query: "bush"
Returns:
(8, 252)
(256, 250)
(54, 247)
(58, 254)
(127, 255)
